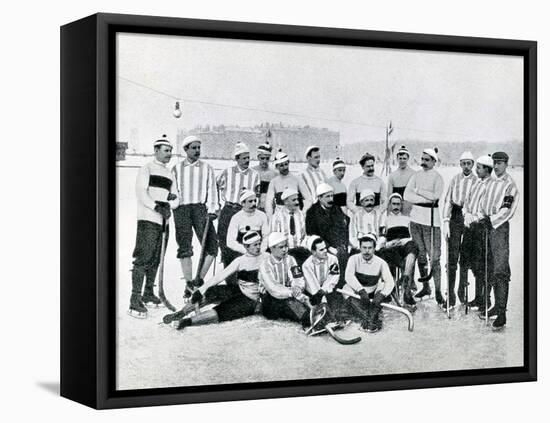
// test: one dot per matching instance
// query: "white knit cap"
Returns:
(366, 193)
(338, 163)
(264, 149)
(288, 193)
(251, 237)
(432, 152)
(240, 148)
(311, 147)
(162, 141)
(188, 140)
(275, 238)
(281, 158)
(323, 188)
(310, 240)
(395, 195)
(467, 155)
(372, 236)
(245, 194)
(403, 150)
(486, 160)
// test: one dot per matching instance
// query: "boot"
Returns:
(451, 288)
(439, 298)
(426, 291)
(491, 314)
(501, 301)
(463, 285)
(407, 294)
(137, 308)
(149, 297)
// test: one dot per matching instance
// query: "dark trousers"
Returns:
(455, 253)
(362, 312)
(474, 243)
(226, 213)
(146, 255)
(421, 234)
(499, 253)
(189, 217)
(287, 309)
(342, 256)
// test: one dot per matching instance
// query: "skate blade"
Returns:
(137, 314)
(424, 298)
(154, 305)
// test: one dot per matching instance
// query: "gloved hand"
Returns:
(197, 297)
(364, 297)
(317, 297)
(197, 282)
(163, 209)
(378, 298)
(172, 197)
(296, 291)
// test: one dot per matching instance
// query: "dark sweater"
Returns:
(331, 224)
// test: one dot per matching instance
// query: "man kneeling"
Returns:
(370, 277)
(245, 301)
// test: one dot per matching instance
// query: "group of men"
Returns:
(290, 243)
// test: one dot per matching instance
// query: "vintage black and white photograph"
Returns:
(289, 211)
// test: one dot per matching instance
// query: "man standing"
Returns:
(198, 198)
(473, 249)
(156, 195)
(370, 277)
(368, 180)
(399, 178)
(329, 222)
(312, 176)
(335, 181)
(282, 283)
(453, 225)
(424, 191)
(396, 245)
(280, 183)
(230, 185)
(289, 220)
(265, 172)
(501, 202)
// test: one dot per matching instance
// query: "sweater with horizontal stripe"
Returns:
(153, 183)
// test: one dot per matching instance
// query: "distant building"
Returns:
(121, 148)
(218, 141)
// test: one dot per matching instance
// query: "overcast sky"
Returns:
(431, 96)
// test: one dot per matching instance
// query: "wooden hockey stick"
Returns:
(162, 295)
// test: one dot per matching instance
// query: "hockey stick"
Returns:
(162, 295)
(426, 278)
(385, 305)
(328, 327)
(486, 280)
(201, 257)
(448, 284)
(330, 330)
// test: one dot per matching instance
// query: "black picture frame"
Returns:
(88, 212)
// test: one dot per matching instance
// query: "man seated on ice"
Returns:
(370, 277)
(282, 283)
(396, 246)
(243, 303)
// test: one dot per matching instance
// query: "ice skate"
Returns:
(499, 323)
(424, 293)
(151, 300)
(137, 308)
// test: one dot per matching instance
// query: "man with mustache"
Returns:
(248, 219)
(312, 176)
(156, 196)
(280, 183)
(329, 222)
(368, 180)
(230, 185)
(424, 191)
(364, 220)
(289, 220)
(265, 172)
(399, 178)
(396, 245)
(453, 226)
(198, 197)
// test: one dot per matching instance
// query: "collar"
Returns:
(363, 260)
(159, 163)
(241, 170)
(317, 260)
(312, 169)
(186, 162)
(502, 178)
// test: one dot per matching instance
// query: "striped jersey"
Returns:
(457, 192)
(278, 276)
(311, 178)
(370, 275)
(501, 200)
(153, 183)
(232, 180)
(317, 274)
(473, 203)
(281, 222)
(362, 222)
(276, 188)
(196, 184)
